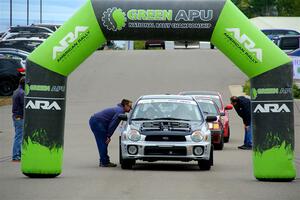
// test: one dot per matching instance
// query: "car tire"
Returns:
(226, 139)
(125, 163)
(7, 87)
(206, 164)
(212, 46)
(146, 47)
(221, 144)
(163, 46)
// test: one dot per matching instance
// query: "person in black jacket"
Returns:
(18, 121)
(242, 105)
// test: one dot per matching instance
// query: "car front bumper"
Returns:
(149, 150)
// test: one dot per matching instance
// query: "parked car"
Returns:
(186, 44)
(295, 53)
(287, 43)
(271, 33)
(27, 45)
(155, 43)
(11, 70)
(210, 108)
(52, 27)
(38, 36)
(26, 29)
(217, 98)
(14, 53)
(166, 127)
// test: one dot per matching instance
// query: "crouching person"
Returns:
(103, 124)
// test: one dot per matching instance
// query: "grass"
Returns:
(5, 100)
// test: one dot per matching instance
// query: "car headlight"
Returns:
(197, 136)
(134, 135)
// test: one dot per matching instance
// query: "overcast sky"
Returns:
(54, 11)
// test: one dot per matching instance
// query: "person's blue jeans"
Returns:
(248, 136)
(18, 124)
(100, 136)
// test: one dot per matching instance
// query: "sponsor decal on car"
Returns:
(115, 19)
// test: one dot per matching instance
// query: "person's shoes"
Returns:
(15, 160)
(110, 164)
(245, 147)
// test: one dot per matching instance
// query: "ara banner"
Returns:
(218, 21)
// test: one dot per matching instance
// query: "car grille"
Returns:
(163, 125)
(165, 138)
(165, 151)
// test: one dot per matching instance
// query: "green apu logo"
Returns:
(114, 19)
(269, 91)
(43, 88)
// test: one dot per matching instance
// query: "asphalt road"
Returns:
(102, 81)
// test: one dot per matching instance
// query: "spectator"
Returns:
(242, 106)
(103, 124)
(18, 121)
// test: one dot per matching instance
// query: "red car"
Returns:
(217, 98)
(210, 108)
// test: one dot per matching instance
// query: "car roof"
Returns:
(13, 50)
(200, 93)
(289, 36)
(167, 96)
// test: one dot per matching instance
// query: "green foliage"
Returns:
(246, 88)
(254, 8)
(296, 91)
(288, 7)
(139, 44)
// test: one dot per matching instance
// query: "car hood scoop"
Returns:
(165, 126)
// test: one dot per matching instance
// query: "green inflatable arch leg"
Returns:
(218, 21)
(46, 77)
(270, 71)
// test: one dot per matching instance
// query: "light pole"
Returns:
(27, 12)
(41, 11)
(10, 13)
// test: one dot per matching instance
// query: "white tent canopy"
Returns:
(277, 23)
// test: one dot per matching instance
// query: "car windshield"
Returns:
(215, 98)
(208, 107)
(166, 109)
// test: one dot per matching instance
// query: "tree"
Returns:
(288, 7)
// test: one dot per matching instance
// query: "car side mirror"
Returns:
(222, 114)
(229, 107)
(123, 117)
(210, 118)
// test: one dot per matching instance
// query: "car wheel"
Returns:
(226, 139)
(7, 86)
(221, 144)
(146, 47)
(212, 46)
(206, 164)
(163, 46)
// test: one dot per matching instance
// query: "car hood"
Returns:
(166, 127)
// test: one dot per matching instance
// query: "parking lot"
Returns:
(102, 81)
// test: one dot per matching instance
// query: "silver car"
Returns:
(166, 127)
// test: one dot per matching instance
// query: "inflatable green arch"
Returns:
(218, 21)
